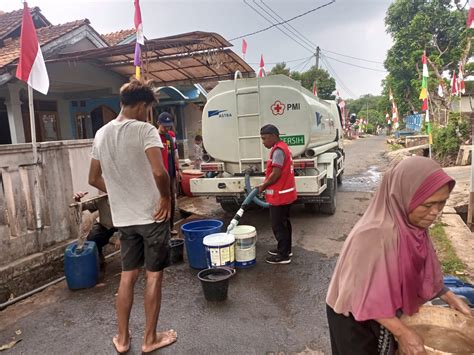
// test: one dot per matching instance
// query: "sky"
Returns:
(348, 27)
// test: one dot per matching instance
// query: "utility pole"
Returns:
(317, 54)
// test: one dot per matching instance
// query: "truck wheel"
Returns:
(230, 207)
(330, 206)
(339, 178)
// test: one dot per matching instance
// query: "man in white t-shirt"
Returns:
(127, 164)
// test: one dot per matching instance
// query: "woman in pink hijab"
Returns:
(388, 265)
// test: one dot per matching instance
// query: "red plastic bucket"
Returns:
(185, 181)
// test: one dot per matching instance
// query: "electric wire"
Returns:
(282, 61)
(287, 26)
(355, 65)
(286, 21)
(279, 29)
(338, 78)
(349, 56)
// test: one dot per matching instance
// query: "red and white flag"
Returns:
(138, 23)
(461, 85)
(244, 48)
(454, 85)
(470, 15)
(31, 67)
(440, 90)
(315, 89)
(262, 66)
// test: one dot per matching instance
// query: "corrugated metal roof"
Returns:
(180, 59)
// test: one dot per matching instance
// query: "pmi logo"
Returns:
(278, 108)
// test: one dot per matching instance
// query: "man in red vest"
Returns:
(280, 192)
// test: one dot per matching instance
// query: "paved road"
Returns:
(270, 309)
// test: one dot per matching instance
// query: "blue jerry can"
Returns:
(81, 267)
(459, 287)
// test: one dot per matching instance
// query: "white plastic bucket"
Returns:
(245, 246)
(220, 249)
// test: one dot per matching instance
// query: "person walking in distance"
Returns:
(280, 192)
(126, 163)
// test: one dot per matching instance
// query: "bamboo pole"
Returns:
(36, 187)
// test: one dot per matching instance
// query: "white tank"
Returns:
(236, 110)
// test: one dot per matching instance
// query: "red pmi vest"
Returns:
(283, 192)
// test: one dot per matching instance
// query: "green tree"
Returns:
(375, 117)
(280, 68)
(436, 26)
(324, 82)
(377, 105)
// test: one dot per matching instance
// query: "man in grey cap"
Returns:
(280, 192)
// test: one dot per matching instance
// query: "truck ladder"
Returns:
(240, 137)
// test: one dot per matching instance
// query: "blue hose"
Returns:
(251, 196)
(253, 193)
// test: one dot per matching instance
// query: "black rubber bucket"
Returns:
(215, 283)
(176, 250)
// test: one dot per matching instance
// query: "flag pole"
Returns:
(36, 186)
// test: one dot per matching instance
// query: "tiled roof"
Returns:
(115, 38)
(11, 20)
(11, 49)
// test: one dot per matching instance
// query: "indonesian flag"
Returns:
(387, 117)
(461, 85)
(31, 67)
(138, 23)
(454, 85)
(470, 15)
(394, 115)
(262, 67)
(440, 90)
(315, 89)
(244, 48)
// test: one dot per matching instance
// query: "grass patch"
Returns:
(450, 262)
(395, 146)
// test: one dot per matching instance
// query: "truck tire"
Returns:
(339, 178)
(330, 206)
(231, 207)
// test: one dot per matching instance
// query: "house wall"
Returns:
(63, 170)
(467, 104)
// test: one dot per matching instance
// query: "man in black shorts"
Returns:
(126, 163)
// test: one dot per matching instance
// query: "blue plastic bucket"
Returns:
(194, 233)
(81, 267)
(220, 250)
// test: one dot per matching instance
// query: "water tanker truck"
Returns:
(231, 122)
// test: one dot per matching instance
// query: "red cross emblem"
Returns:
(278, 108)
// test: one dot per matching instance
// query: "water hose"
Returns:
(255, 199)
(240, 212)
(251, 197)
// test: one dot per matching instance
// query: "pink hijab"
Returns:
(387, 264)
